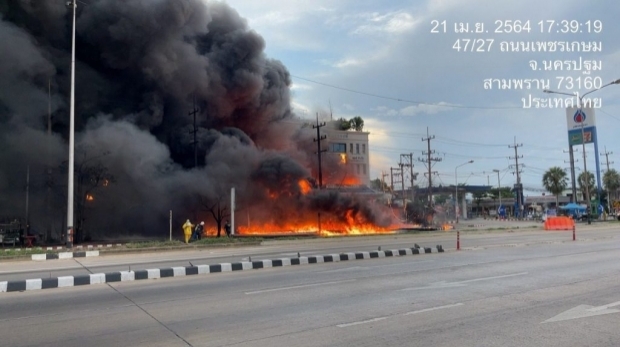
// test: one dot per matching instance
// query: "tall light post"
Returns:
(69, 238)
(583, 139)
(456, 190)
(499, 192)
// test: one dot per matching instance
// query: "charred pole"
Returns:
(194, 131)
(518, 186)
(318, 140)
(428, 161)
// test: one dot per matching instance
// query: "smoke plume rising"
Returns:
(142, 67)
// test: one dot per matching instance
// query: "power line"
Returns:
(405, 100)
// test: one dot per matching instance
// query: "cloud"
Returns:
(348, 62)
(412, 110)
(300, 109)
(299, 86)
(348, 107)
(391, 23)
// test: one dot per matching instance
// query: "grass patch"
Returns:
(226, 240)
(12, 252)
(204, 241)
(154, 244)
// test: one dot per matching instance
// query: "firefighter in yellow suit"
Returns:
(187, 230)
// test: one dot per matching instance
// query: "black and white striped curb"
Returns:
(64, 255)
(123, 276)
(60, 248)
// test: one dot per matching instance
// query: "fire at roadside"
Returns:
(176, 103)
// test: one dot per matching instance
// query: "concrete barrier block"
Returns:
(65, 281)
(204, 269)
(178, 271)
(226, 267)
(65, 255)
(34, 284)
(128, 276)
(39, 257)
(153, 273)
(97, 278)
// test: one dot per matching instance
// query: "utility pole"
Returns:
(394, 171)
(606, 154)
(48, 190)
(518, 186)
(383, 175)
(412, 176)
(402, 165)
(572, 162)
(27, 201)
(428, 161)
(318, 140)
(195, 143)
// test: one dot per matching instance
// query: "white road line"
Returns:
(357, 268)
(361, 322)
(605, 307)
(432, 309)
(296, 287)
(404, 314)
(493, 277)
(444, 284)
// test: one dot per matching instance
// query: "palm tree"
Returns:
(357, 123)
(582, 185)
(611, 181)
(555, 181)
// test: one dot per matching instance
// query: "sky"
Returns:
(401, 66)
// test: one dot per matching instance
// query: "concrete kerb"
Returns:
(124, 276)
(64, 255)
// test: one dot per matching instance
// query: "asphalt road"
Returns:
(27, 269)
(544, 294)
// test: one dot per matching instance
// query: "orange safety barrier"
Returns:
(559, 223)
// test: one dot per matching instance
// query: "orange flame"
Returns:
(304, 186)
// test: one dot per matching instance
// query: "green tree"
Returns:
(377, 184)
(357, 123)
(345, 124)
(504, 191)
(478, 196)
(441, 199)
(555, 181)
(582, 180)
(611, 181)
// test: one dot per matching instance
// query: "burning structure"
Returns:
(141, 67)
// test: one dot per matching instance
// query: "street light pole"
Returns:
(456, 191)
(69, 237)
(583, 139)
(499, 192)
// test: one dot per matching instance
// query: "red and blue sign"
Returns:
(579, 116)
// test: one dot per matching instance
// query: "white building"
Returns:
(353, 148)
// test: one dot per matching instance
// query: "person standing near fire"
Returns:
(187, 230)
(227, 228)
(198, 231)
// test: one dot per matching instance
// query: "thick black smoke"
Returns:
(141, 68)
